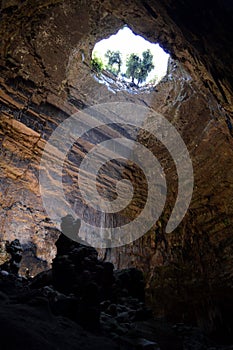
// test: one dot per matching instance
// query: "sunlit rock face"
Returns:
(46, 76)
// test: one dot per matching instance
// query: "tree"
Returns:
(146, 66)
(114, 61)
(133, 65)
(97, 63)
(138, 68)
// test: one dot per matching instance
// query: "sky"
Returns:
(127, 42)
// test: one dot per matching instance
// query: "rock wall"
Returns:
(45, 56)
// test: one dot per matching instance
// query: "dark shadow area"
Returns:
(84, 302)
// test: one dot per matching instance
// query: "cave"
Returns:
(46, 79)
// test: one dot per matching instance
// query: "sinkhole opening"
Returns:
(130, 60)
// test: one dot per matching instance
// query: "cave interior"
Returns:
(161, 289)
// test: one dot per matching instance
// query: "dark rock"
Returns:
(70, 227)
(128, 323)
(65, 306)
(143, 314)
(112, 310)
(15, 250)
(131, 280)
(41, 280)
(124, 317)
(105, 304)
(138, 344)
(64, 244)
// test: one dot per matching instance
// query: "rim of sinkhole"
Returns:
(129, 62)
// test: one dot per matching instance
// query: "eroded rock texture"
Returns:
(45, 77)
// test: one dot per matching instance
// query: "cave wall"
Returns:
(46, 76)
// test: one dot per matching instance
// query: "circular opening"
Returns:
(130, 60)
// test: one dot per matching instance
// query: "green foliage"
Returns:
(146, 66)
(97, 64)
(133, 65)
(114, 62)
(138, 68)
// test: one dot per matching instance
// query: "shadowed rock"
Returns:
(15, 250)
